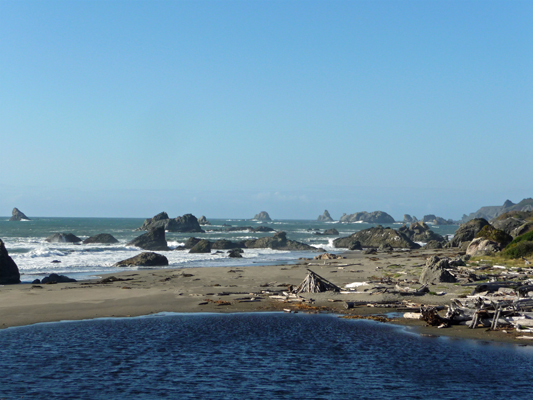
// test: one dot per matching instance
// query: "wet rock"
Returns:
(235, 253)
(9, 272)
(151, 240)
(55, 278)
(332, 232)
(101, 238)
(145, 259)
(184, 224)
(224, 244)
(63, 238)
(277, 242)
(385, 247)
(203, 246)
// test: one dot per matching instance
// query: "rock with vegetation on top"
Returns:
(374, 237)
(151, 240)
(522, 229)
(9, 272)
(436, 271)
(325, 217)
(63, 238)
(203, 246)
(145, 259)
(467, 232)
(508, 225)
(18, 215)
(375, 217)
(262, 216)
(496, 235)
(101, 238)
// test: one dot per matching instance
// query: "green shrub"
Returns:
(496, 235)
(525, 237)
(523, 248)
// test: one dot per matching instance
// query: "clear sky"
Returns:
(228, 108)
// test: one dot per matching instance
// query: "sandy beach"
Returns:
(243, 289)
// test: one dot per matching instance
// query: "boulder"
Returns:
(203, 246)
(420, 232)
(9, 272)
(385, 247)
(262, 229)
(203, 220)
(277, 242)
(468, 231)
(482, 247)
(55, 278)
(436, 271)
(224, 244)
(63, 238)
(191, 242)
(145, 259)
(235, 253)
(496, 235)
(332, 231)
(101, 238)
(374, 237)
(325, 217)
(355, 245)
(184, 224)
(375, 217)
(151, 240)
(262, 216)
(17, 215)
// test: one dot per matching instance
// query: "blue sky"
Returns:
(227, 108)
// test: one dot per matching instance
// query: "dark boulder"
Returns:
(63, 238)
(235, 253)
(467, 232)
(436, 270)
(151, 240)
(355, 245)
(191, 242)
(325, 217)
(332, 232)
(203, 246)
(263, 216)
(17, 215)
(277, 242)
(146, 259)
(185, 223)
(9, 272)
(55, 278)
(420, 232)
(262, 229)
(385, 247)
(374, 237)
(101, 238)
(433, 244)
(224, 244)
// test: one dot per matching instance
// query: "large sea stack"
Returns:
(325, 217)
(375, 217)
(9, 272)
(263, 216)
(151, 240)
(184, 224)
(18, 215)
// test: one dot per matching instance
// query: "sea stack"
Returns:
(9, 272)
(325, 217)
(262, 216)
(18, 215)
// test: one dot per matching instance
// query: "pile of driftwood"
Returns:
(491, 305)
(314, 283)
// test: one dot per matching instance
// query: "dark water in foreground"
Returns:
(253, 356)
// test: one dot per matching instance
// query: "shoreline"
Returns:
(143, 292)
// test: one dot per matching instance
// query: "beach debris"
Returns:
(314, 283)
(377, 318)
(329, 256)
(431, 316)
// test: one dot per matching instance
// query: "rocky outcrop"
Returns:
(145, 259)
(262, 216)
(101, 238)
(63, 238)
(151, 240)
(186, 223)
(9, 272)
(436, 270)
(467, 232)
(54, 278)
(434, 220)
(332, 232)
(496, 235)
(277, 242)
(522, 229)
(508, 225)
(203, 246)
(17, 215)
(491, 212)
(375, 217)
(482, 247)
(224, 244)
(235, 253)
(203, 220)
(375, 237)
(325, 217)
(420, 232)
(407, 219)
(191, 242)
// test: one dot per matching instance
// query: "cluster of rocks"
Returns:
(101, 238)
(244, 229)
(376, 237)
(53, 278)
(428, 219)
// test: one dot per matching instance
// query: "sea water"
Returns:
(36, 258)
(253, 356)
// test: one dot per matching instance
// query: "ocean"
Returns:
(36, 258)
(253, 356)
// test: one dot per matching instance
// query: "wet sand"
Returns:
(239, 289)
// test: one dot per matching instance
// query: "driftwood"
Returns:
(432, 317)
(314, 283)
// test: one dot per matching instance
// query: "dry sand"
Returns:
(231, 289)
